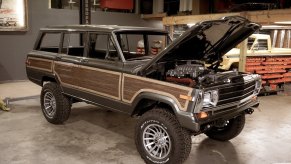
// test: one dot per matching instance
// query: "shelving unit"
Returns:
(275, 70)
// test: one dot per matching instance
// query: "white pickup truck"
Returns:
(258, 44)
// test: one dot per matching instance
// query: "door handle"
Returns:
(58, 57)
(84, 60)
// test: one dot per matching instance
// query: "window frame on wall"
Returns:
(62, 4)
(95, 6)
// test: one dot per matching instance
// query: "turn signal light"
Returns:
(185, 97)
(254, 98)
(202, 115)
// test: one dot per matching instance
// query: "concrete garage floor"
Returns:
(93, 135)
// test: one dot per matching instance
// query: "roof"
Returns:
(106, 28)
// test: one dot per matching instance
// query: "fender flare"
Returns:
(185, 119)
(156, 97)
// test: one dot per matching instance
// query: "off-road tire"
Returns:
(230, 131)
(62, 104)
(180, 138)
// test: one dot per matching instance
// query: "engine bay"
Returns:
(192, 73)
(186, 74)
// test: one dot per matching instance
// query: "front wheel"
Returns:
(160, 139)
(231, 129)
(55, 106)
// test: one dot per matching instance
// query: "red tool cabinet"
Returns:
(117, 4)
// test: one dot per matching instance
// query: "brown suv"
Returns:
(141, 72)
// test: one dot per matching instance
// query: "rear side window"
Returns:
(73, 45)
(50, 42)
(102, 47)
(141, 45)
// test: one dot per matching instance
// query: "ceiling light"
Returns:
(271, 26)
(284, 22)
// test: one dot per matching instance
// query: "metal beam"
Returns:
(275, 38)
(85, 12)
(288, 38)
(242, 55)
(263, 17)
(281, 44)
(84, 15)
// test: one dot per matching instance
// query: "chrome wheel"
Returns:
(50, 105)
(156, 141)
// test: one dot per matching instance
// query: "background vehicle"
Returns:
(258, 44)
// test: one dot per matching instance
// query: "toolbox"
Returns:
(116, 4)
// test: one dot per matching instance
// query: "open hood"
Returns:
(207, 41)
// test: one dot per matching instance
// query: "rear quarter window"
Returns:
(49, 42)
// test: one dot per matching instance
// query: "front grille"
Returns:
(236, 92)
(230, 96)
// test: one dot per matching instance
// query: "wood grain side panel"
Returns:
(134, 85)
(101, 82)
(66, 73)
(41, 64)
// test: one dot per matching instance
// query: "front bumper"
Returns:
(189, 121)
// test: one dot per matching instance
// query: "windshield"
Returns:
(142, 45)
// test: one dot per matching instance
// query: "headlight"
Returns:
(210, 98)
(258, 87)
(199, 101)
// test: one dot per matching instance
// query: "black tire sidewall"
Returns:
(231, 131)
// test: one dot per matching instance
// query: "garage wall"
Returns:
(15, 45)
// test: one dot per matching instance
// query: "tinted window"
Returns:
(102, 47)
(141, 45)
(261, 45)
(50, 42)
(72, 44)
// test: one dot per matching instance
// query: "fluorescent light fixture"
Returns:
(190, 24)
(276, 27)
(271, 26)
(284, 22)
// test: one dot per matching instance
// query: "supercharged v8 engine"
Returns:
(186, 74)
(190, 74)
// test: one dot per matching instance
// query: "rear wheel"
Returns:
(55, 106)
(159, 138)
(231, 129)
